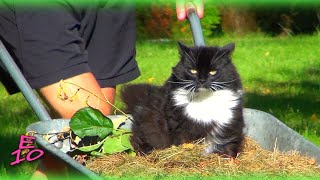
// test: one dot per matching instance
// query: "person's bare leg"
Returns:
(110, 94)
(66, 107)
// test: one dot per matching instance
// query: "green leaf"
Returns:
(90, 122)
(125, 140)
(125, 137)
(117, 132)
(91, 147)
(113, 145)
(132, 153)
(96, 153)
(121, 131)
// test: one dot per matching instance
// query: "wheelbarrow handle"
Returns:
(22, 83)
(195, 24)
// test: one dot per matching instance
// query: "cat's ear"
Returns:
(228, 49)
(183, 48)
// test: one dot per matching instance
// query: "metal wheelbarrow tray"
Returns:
(265, 129)
(269, 132)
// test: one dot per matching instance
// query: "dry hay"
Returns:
(189, 159)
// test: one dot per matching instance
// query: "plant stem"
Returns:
(104, 100)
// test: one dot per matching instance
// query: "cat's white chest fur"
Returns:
(207, 106)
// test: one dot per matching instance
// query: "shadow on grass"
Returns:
(15, 117)
(297, 103)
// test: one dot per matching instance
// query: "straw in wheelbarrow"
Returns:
(189, 159)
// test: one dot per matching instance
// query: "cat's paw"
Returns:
(227, 150)
(210, 149)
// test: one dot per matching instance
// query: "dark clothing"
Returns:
(61, 41)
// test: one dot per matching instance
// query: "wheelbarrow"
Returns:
(265, 129)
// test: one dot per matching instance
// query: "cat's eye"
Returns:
(193, 71)
(212, 73)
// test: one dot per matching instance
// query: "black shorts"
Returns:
(62, 41)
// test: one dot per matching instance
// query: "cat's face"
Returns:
(206, 68)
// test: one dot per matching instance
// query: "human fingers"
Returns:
(200, 7)
(181, 10)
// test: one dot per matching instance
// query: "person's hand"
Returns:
(181, 8)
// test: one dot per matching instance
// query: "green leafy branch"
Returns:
(91, 122)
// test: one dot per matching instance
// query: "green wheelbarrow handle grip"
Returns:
(195, 24)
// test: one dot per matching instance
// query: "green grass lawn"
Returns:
(281, 76)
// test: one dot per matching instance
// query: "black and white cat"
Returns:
(201, 99)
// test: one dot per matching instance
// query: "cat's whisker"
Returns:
(225, 82)
(220, 84)
(186, 86)
(219, 57)
(213, 88)
(192, 60)
(190, 89)
(219, 78)
(225, 88)
(214, 56)
(184, 80)
(219, 87)
(174, 82)
(200, 49)
(192, 93)
(191, 96)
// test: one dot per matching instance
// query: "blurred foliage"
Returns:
(157, 20)
(238, 20)
(154, 20)
(210, 24)
(288, 20)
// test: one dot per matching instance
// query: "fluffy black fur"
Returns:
(159, 122)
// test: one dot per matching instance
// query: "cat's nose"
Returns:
(202, 81)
